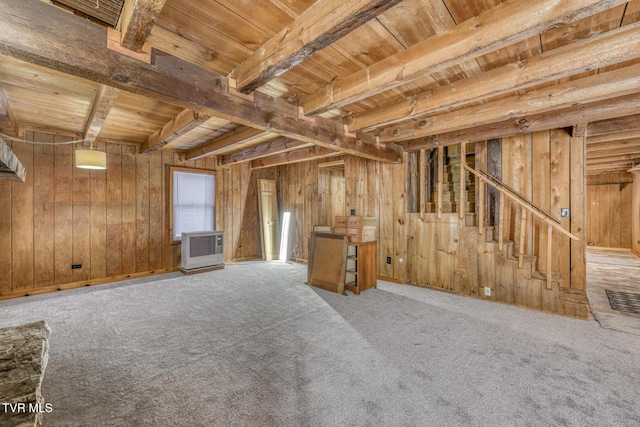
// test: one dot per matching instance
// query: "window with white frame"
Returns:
(194, 201)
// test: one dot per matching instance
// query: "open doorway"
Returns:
(332, 191)
(612, 267)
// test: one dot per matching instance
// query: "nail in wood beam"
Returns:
(102, 104)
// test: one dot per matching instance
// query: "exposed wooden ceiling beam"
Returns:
(618, 136)
(592, 53)
(180, 47)
(579, 130)
(633, 150)
(10, 167)
(269, 148)
(575, 92)
(601, 110)
(611, 167)
(614, 158)
(303, 155)
(184, 122)
(57, 40)
(227, 141)
(8, 124)
(614, 125)
(608, 145)
(316, 28)
(496, 28)
(624, 164)
(136, 20)
(102, 104)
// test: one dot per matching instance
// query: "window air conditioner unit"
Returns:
(201, 251)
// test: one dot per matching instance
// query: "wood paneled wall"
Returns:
(371, 189)
(449, 253)
(112, 222)
(635, 215)
(609, 210)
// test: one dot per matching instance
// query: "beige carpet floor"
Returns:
(252, 345)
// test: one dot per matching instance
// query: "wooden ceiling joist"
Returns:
(594, 52)
(316, 28)
(10, 167)
(612, 167)
(575, 92)
(303, 155)
(613, 158)
(595, 111)
(80, 50)
(269, 148)
(618, 136)
(614, 125)
(136, 21)
(102, 104)
(227, 141)
(633, 150)
(610, 145)
(496, 28)
(184, 122)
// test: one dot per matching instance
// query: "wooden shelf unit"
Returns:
(361, 267)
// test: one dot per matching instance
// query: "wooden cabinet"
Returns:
(336, 265)
(361, 271)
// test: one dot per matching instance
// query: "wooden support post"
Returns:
(422, 173)
(481, 206)
(463, 183)
(549, 257)
(501, 223)
(440, 178)
(523, 228)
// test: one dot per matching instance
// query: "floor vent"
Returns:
(624, 301)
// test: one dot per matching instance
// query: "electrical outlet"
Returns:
(388, 260)
(76, 266)
(564, 212)
(487, 291)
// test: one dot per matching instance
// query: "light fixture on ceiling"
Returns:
(91, 159)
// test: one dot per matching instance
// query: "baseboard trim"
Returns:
(390, 279)
(604, 248)
(93, 282)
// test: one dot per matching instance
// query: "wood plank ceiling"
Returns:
(254, 79)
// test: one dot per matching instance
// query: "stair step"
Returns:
(542, 275)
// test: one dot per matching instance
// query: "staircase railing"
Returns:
(552, 223)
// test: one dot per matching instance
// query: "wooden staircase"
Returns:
(451, 187)
(508, 254)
